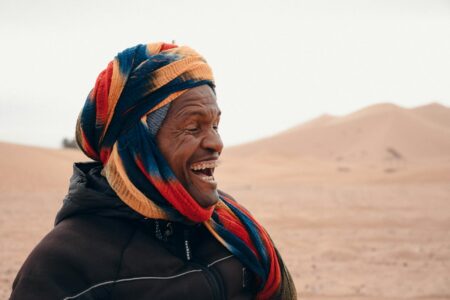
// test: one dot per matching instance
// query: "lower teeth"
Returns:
(208, 178)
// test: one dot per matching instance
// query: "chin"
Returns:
(207, 201)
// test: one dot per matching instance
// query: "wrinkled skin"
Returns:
(189, 135)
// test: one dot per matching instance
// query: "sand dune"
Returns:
(359, 205)
(375, 133)
(365, 146)
(33, 167)
(436, 113)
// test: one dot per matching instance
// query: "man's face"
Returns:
(191, 144)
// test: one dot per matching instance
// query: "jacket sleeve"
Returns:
(49, 272)
(72, 257)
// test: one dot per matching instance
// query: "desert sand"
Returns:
(359, 205)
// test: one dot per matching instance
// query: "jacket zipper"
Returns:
(213, 277)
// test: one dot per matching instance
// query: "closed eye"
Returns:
(192, 129)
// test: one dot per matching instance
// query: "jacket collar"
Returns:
(90, 193)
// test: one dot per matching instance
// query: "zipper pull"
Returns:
(186, 245)
(158, 232)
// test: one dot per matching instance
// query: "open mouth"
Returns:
(205, 170)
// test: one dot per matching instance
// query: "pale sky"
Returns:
(276, 63)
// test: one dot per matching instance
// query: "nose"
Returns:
(213, 142)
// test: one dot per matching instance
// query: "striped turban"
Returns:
(117, 126)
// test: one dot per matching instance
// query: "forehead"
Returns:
(201, 98)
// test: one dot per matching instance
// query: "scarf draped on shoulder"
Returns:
(112, 128)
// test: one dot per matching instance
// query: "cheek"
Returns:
(179, 151)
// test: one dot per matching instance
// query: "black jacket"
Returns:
(102, 249)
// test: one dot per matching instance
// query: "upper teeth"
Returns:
(204, 165)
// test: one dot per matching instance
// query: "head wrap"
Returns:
(118, 126)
